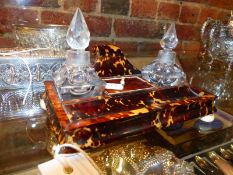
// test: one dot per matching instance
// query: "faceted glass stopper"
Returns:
(169, 40)
(230, 23)
(78, 35)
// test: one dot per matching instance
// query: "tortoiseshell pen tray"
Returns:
(92, 122)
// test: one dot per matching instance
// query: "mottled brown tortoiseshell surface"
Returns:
(110, 61)
(99, 120)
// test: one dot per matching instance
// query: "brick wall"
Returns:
(135, 25)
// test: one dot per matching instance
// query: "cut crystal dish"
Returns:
(11, 105)
(41, 36)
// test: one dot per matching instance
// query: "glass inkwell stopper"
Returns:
(230, 23)
(165, 69)
(77, 78)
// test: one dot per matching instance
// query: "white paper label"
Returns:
(114, 86)
(78, 162)
(208, 118)
(42, 104)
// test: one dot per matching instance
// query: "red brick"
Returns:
(192, 46)
(36, 3)
(179, 46)
(52, 17)
(50, 3)
(117, 7)
(7, 42)
(188, 32)
(189, 62)
(99, 26)
(128, 48)
(84, 5)
(98, 42)
(137, 28)
(148, 49)
(144, 8)
(168, 11)
(189, 55)
(224, 16)
(207, 12)
(7, 28)
(22, 3)
(192, 1)
(189, 14)
(18, 16)
(226, 4)
(197, 1)
(9, 16)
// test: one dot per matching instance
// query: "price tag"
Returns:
(42, 104)
(114, 86)
(78, 165)
(69, 164)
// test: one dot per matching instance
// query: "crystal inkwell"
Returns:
(165, 69)
(77, 78)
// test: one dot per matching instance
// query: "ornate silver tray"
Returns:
(137, 158)
(14, 64)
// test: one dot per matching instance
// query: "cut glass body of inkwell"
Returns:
(165, 69)
(77, 78)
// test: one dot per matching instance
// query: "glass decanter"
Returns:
(165, 69)
(77, 78)
(214, 72)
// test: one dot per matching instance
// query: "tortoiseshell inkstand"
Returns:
(95, 121)
(129, 104)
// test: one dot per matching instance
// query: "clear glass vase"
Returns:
(215, 71)
(215, 76)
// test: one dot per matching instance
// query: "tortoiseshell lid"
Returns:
(110, 61)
